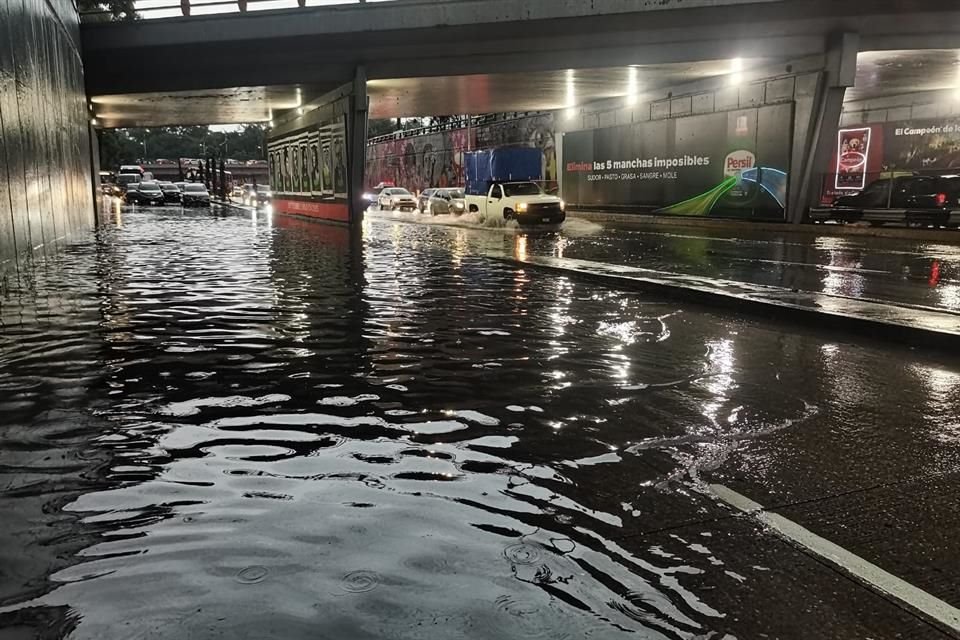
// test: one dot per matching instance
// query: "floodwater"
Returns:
(899, 271)
(220, 425)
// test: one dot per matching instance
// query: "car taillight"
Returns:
(941, 199)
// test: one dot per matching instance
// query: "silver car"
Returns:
(394, 198)
(446, 201)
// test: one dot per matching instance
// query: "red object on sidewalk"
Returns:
(335, 211)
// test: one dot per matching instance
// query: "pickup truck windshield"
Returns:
(522, 189)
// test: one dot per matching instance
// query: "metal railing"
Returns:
(453, 124)
(888, 199)
(153, 9)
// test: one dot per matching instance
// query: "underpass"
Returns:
(314, 420)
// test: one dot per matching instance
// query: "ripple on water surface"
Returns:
(224, 426)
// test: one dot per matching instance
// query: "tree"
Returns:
(111, 10)
(129, 146)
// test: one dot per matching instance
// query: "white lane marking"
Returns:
(870, 573)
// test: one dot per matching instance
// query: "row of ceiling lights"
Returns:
(632, 94)
(633, 85)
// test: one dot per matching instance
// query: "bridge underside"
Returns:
(405, 97)
(879, 74)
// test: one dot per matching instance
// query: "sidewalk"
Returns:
(649, 221)
(919, 274)
(909, 325)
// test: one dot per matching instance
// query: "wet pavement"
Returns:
(217, 424)
(897, 271)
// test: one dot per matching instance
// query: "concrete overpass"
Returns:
(456, 50)
(305, 68)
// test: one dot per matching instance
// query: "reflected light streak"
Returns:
(520, 248)
(632, 86)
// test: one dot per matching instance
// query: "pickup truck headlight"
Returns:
(522, 206)
(563, 206)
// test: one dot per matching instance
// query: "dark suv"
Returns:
(922, 200)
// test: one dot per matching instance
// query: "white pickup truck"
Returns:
(524, 202)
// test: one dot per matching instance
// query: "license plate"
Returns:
(545, 219)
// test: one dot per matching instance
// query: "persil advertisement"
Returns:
(869, 152)
(732, 164)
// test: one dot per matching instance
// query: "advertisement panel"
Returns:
(729, 164)
(314, 164)
(338, 160)
(871, 152)
(853, 156)
(308, 144)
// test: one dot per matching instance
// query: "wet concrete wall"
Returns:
(435, 159)
(795, 82)
(45, 179)
(907, 106)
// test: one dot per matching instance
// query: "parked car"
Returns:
(126, 179)
(447, 201)
(393, 198)
(130, 192)
(424, 198)
(911, 200)
(110, 189)
(171, 192)
(195, 195)
(146, 193)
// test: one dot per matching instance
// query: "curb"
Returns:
(227, 203)
(808, 317)
(941, 236)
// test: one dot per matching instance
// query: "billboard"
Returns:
(874, 151)
(730, 164)
(853, 157)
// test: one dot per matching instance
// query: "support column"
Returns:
(95, 174)
(840, 72)
(357, 145)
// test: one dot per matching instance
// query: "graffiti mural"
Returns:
(436, 159)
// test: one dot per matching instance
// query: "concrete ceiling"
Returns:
(533, 91)
(407, 97)
(213, 106)
(886, 73)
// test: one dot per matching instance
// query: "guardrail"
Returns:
(154, 9)
(889, 200)
(453, 124)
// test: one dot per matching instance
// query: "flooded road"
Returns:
(899, 271)
(225, 425)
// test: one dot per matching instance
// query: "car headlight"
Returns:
(563, 206)
(522, 206)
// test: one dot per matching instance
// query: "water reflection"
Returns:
(292, 434)
(878, 268)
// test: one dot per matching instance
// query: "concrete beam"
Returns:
(324, 45)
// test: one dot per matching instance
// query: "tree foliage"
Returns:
(113, 10)
(129, 146)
